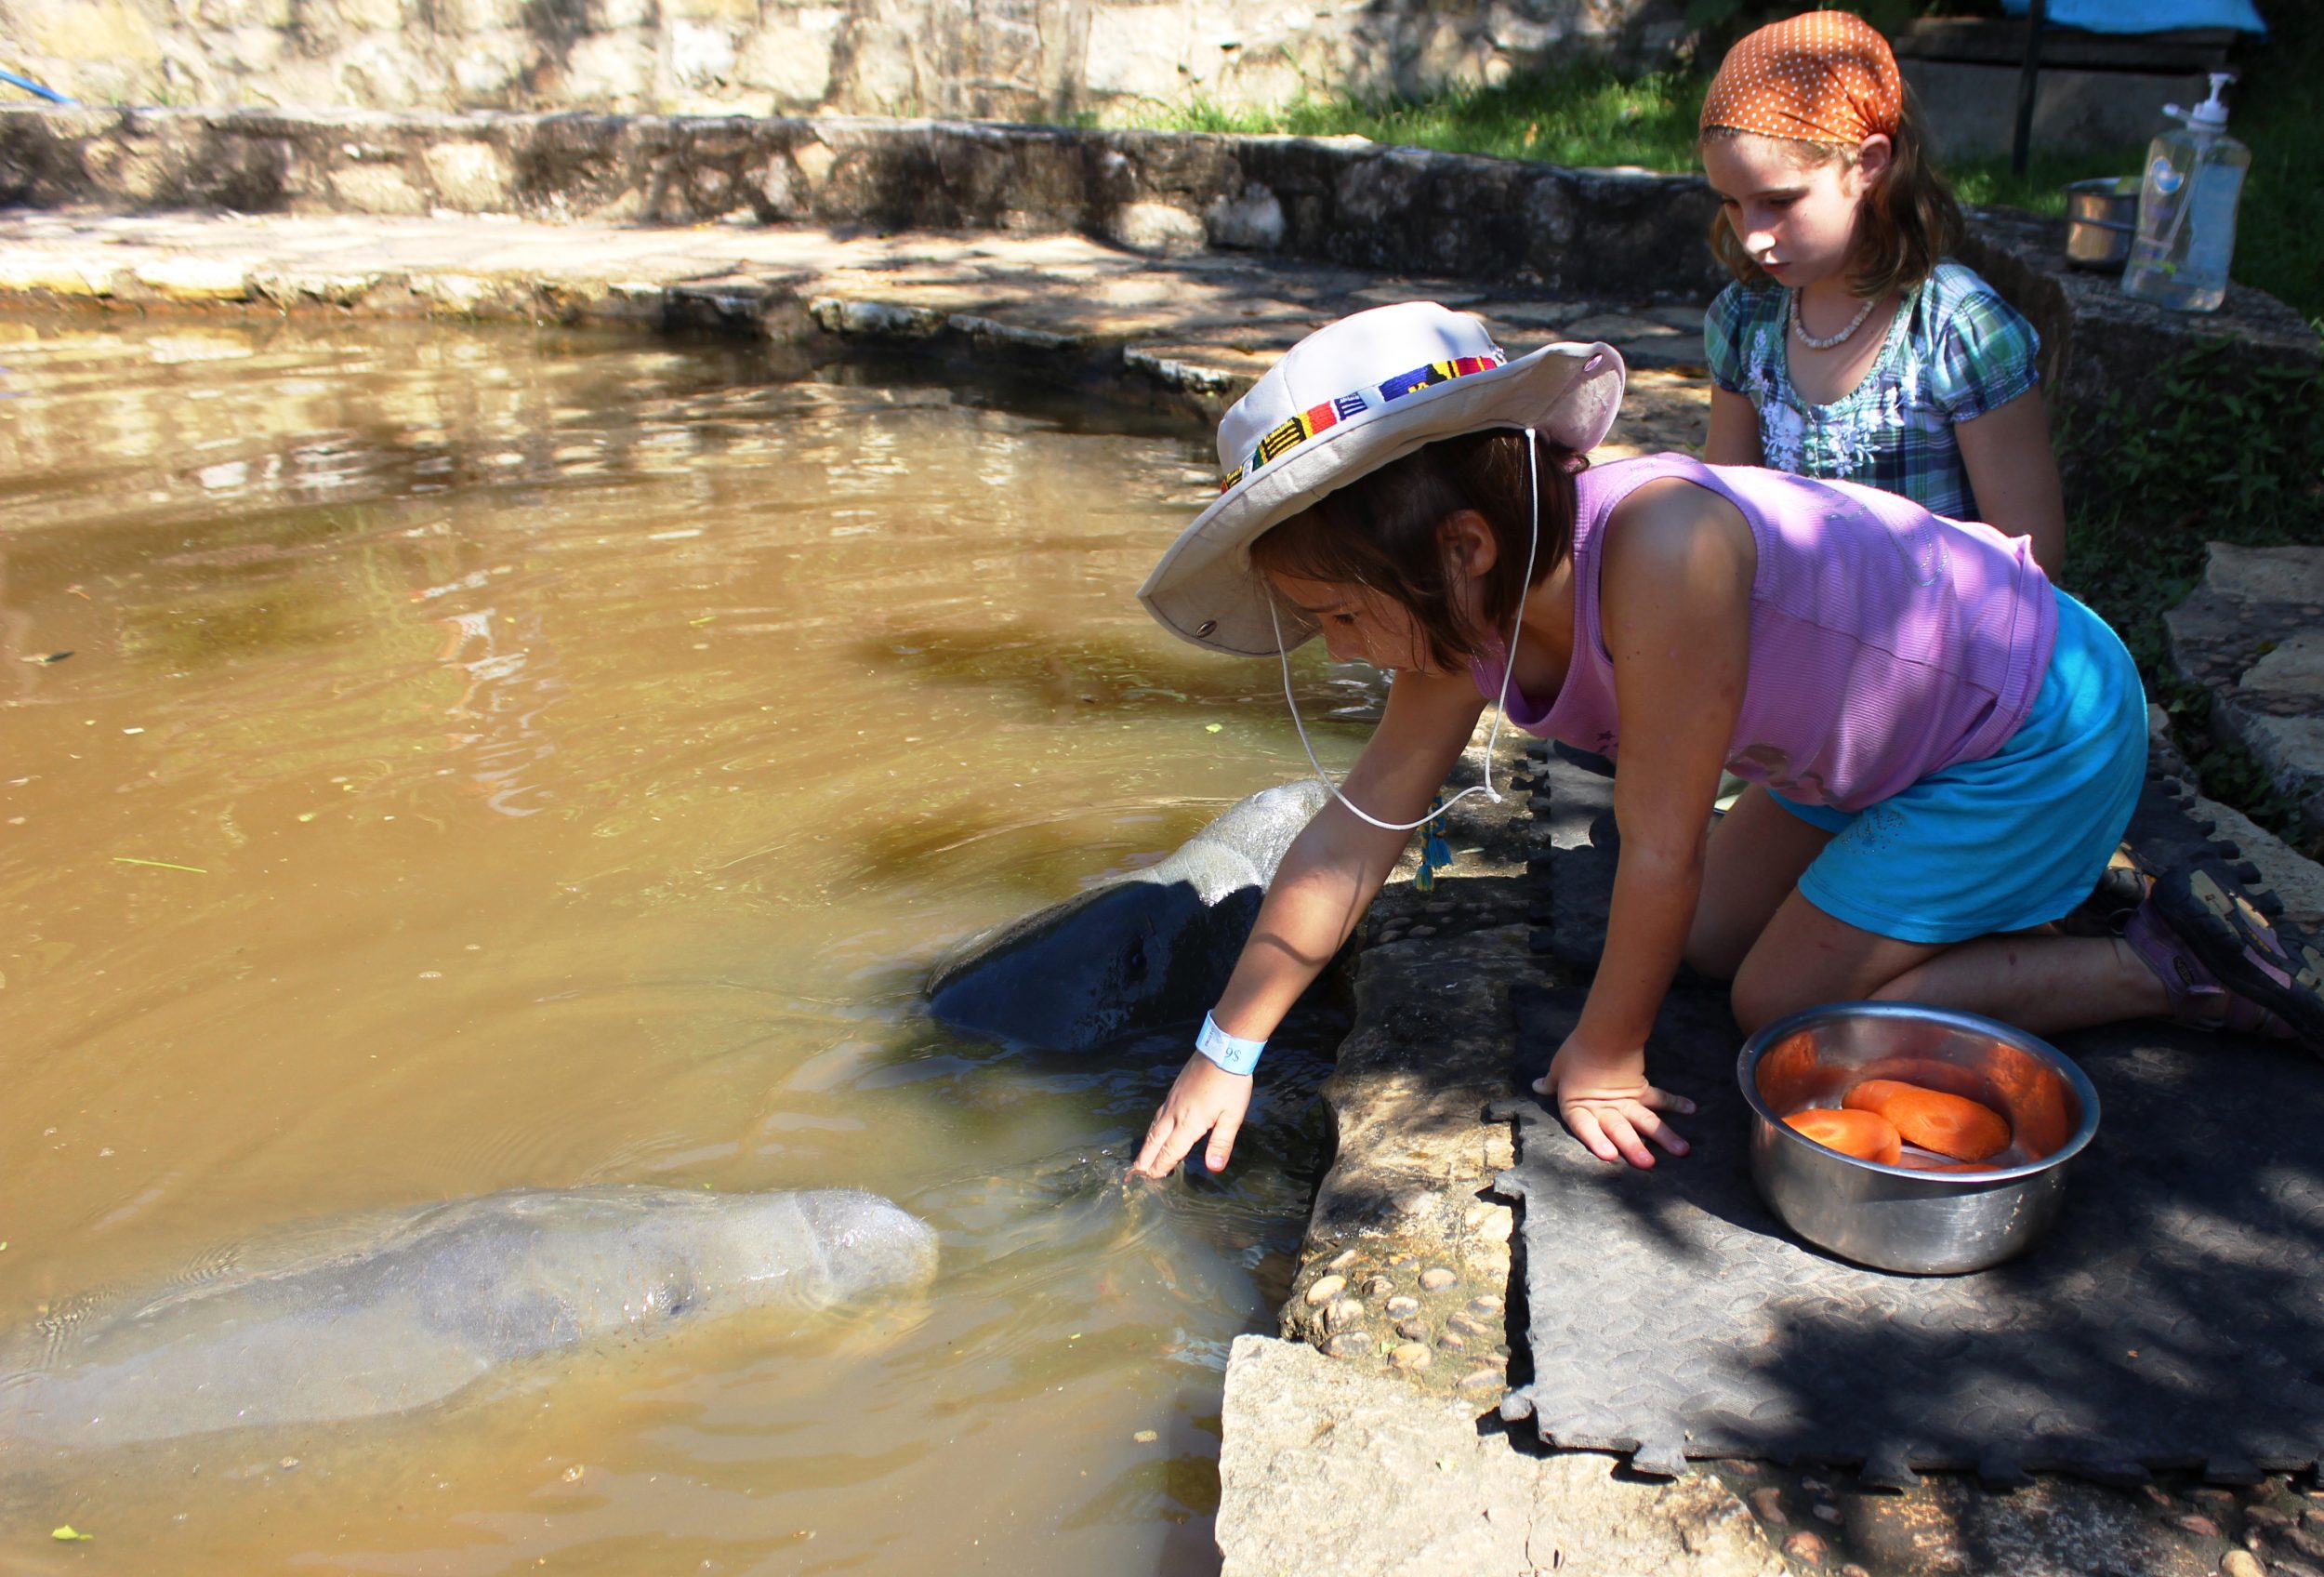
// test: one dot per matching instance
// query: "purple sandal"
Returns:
(2222, 966)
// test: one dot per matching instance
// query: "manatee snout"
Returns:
(869, 1245)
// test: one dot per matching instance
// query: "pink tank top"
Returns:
(1887, 643)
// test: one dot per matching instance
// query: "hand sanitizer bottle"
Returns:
(2186, 208)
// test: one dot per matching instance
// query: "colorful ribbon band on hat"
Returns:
(1826, 76)
(1298, 430)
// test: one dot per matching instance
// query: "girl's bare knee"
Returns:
(1712, 955)
(1757, 1003)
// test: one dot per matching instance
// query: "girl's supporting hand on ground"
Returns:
(1609, 1105)
(1205, 1099)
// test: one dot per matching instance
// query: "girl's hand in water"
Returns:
(1609, 1105)
(1205, 1099)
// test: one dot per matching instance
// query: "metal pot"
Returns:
(1895, 1217)
(2101, 216)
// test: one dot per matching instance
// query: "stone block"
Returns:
(188, 73)
(297, 80)
(274, 15)
(1274, 77)
(1251, 221)
(782, 193)
(356, 18)
(813, 161)
(622, 16)
(460, 20)
(485, 74)
(2295, 668)
(460, 295)
(383, 70)
(1971, 109)
(2290, 749)
(702, 53)
(375, 189)
(2267, 574)
(113, 31)
(611, 70)
(1136, 52)
(473, 178)
(878, 70)
(90, 276)
(192, 280)
(139, 169)
(1156, 229)
(791, 60)
(242, 52)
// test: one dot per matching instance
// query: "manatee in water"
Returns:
(1149, 949)
(394, 1311)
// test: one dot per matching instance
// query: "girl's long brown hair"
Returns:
(1906, 224)
(1380, 533)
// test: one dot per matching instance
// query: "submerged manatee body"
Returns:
(1151, 950)
(402, 1311)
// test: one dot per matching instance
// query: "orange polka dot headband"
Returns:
(1823, 77)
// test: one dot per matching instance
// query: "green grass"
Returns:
(1577, 114)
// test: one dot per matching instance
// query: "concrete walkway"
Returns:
(1190, 331)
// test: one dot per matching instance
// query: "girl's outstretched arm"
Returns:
(1674, 599)
(2013, 471)
(1327, 878)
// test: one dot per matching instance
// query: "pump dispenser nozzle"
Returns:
(2211, 113)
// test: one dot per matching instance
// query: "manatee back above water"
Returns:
(1151, 949)
(406, 1310)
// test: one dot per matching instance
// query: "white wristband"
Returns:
(1229, 1052)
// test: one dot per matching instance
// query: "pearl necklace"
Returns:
(1824, 344)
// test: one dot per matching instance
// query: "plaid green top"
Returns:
(1955, 350)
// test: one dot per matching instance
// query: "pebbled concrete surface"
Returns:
(1335, 1470)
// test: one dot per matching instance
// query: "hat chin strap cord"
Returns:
(1501, 703)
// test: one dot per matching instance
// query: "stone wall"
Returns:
(1022, 60)
(2102, 350)
(1611, 234)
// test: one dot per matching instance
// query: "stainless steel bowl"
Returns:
(1895, 1217)
(2101, 216)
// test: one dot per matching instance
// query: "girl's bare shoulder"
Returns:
(1673, 521)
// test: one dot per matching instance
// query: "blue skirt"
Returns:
(2008, 842)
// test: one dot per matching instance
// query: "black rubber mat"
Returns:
(2173, 1318)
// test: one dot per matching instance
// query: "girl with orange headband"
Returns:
(1849, 346)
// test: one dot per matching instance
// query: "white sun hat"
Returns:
(1345, 401)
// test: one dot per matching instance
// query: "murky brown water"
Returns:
(497, 760)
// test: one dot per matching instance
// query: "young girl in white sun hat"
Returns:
(1943, 750)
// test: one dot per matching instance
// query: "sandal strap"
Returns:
(2197, 997)
(2205, 908)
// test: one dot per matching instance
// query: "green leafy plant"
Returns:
(2227, 453)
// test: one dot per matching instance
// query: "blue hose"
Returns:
(33, 88)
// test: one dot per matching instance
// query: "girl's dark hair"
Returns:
(1380, 533)
(1907, 224)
